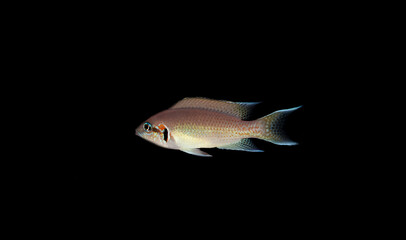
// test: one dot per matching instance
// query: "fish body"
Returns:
(195, 123)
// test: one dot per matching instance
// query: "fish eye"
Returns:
(147, 127)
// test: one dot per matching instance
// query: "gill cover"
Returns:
(164, 131)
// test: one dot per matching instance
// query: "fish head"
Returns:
(156, 132)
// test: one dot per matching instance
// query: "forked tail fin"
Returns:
(272, 127)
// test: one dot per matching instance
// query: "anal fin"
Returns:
(196, 151)
(244, 144)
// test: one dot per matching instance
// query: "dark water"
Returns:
(108, 91)
(107, 156)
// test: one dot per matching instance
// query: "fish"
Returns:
(195, 123)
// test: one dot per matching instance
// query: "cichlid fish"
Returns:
(195, 123)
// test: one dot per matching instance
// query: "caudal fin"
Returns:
(272, 127)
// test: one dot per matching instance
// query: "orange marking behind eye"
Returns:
(161, 127)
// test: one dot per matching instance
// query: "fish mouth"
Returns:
(137, 133)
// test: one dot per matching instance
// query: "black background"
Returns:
(123, 94)
(95, 73)
(114, 74)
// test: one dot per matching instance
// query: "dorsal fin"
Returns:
(236, 109)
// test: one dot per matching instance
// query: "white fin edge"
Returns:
(196, 152)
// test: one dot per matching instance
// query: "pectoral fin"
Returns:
(196, 151)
